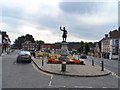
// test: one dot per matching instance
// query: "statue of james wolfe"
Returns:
(64, 36)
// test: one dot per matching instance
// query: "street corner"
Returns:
(72, 70)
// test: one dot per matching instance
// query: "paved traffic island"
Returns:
(86, 70)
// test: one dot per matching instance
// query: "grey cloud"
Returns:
(17, 17)
(92, 32)
(119, 13)
(80, 7)
(14, 17)
(12, 12)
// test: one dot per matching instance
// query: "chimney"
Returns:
(106, 35)
(119, 28)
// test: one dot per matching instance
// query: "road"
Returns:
(28, 76)
(0, 72)
(111, 65)
(21, 75)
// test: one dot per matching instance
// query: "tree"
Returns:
(81, 47)
(39, 43)
(84, 47)
(29, 37)
(18, 42)
(87, 48)
(119, 28)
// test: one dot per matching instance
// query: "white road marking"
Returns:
(43, 73)
(114, 74)
(51, 76)
(83, 86)
(50, 83)
(58, 86)
(104, 87)
(35, 68)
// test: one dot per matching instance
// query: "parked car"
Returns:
(83, 56)
(24, 56)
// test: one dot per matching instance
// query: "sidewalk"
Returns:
(71, 70)
(102, 58)
(5, 53)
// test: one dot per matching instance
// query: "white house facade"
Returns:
(110, 45)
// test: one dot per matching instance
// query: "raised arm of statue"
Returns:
(61, 29)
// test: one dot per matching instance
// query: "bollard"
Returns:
(102, 65)
(92, 62)
(63, 66)
(42, 62)
(78, 56)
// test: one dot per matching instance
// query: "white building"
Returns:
(0, 43)
(110, 45)
(114, 48)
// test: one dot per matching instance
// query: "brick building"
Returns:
(105, 46)
(46, 46)
(97, 50)
(27, 45)
(110, 45)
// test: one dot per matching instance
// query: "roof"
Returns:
(114, 34)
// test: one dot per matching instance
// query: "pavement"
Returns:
(5, 53)
(86, 70)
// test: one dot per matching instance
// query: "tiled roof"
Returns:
(114, 34)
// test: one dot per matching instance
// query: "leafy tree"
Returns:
(39, 42)
(84, 47)
(18, 42)
(87, 48)
(81, 47)
(29, 38)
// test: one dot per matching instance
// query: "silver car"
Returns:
(24, 56)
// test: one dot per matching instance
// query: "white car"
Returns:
(24, 56)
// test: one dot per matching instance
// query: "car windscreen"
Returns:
(24, 53)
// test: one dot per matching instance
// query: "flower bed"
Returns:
(71, 61)
(57, 59)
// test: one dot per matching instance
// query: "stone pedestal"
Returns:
(64, 49)
(64, 54)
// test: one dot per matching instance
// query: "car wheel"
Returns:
(29, 61)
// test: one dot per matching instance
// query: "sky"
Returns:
(88, 21)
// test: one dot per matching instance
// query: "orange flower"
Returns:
(76, 61)
(58, 60)
(49, 59)
(52, 60)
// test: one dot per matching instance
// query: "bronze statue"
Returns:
(64, 33)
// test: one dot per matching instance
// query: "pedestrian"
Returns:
(34, 55)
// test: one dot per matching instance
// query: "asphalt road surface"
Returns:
(112, 65)
(26, 75)
(21, 75)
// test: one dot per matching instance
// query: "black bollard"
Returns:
(78, 56)
(92, 62)
(42, 61)
(63, 66)
(102, 65)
